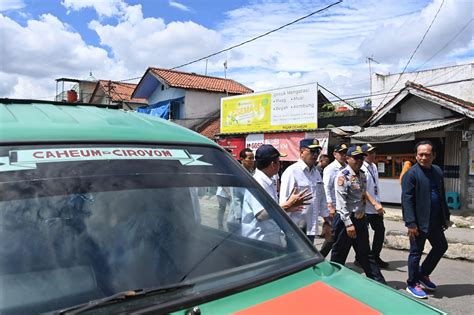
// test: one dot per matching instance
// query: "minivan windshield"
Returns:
(84, 222)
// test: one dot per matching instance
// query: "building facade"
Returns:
(417, 113)
(188, 99)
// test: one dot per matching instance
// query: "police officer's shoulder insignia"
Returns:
(340, 180)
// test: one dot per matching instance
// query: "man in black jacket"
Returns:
(426, 216)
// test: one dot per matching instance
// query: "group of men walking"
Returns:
(346, 195)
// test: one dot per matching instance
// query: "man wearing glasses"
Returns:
(303, 175)
(350, 223)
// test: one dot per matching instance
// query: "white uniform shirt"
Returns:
(265, 230)
(329, 175)
(373, 187)
(300, 176)
(223, 192)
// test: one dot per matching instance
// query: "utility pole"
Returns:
(369, 60)
(108, 91)
(206, 67)
(225, 76)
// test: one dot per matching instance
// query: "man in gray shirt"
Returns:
(350, 224)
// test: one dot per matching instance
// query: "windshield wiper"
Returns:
(121, 296)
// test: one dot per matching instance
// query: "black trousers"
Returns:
(326, 247)
(439, 246)
(343, 243)
(376, 223)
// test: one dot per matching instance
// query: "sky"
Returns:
(41, 40)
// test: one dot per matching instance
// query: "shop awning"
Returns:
(399, 132)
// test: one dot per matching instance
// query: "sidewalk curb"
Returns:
(456, 249)
(395, 214)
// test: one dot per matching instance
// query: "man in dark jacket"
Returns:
(426, 216)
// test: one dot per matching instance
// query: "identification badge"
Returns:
(355, 186)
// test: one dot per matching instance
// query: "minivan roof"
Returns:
(27, 121)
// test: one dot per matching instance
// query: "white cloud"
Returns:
(104, 8)
(44, 50)
(6, 5)
(179, 6)
(406, 36)
(332, 47)
(141, 42)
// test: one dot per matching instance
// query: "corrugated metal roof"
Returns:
(382, 131)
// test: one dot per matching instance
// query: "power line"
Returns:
(414, 52)
(259, 36)
(249, 40)
(352, 106)
(446, 45)
(395, 92)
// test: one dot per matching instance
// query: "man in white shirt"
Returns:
(234, 217)
(329, 176)
(256, 221)
(223, 199)
(330, 173)
(304, 175)
(374, 211)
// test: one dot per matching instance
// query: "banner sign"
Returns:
(235, 145)
(293, 108)
(27, 159)
(288, 143)
(254, 141)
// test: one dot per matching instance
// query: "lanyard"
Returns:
(371, 171)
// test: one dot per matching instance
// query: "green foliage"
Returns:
(328, 107)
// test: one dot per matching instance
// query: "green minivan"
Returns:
(104, 211)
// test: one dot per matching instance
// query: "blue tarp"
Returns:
(160, 109)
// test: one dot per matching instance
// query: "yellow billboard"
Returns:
(285, 109)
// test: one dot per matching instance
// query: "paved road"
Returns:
(455, 280)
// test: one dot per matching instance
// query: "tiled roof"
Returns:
(119, 91)
(211, 129)
(446, 97)
(187, 80)
(448, 101)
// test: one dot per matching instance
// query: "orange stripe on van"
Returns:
(314, 298)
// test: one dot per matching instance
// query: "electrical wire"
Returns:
(259, 36)
(414, 52)
(442, 48)
(395, 92)
(249, 40)
(446, 45)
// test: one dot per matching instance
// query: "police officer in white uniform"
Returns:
(374, 209)
(256, 221)
(304, 175)
(329, 175)
(350, 224)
